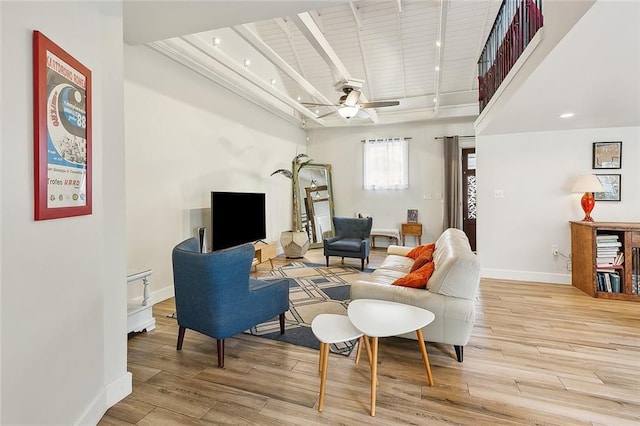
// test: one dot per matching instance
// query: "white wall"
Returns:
(342, 148)
(63, 306)
(536, 172)
(186, 137)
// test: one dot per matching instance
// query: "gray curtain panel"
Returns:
(452, 185)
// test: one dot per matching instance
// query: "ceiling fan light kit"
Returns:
(348, 111)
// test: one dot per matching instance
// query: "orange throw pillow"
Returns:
(417, 279)
(423, 259)
(417, 251)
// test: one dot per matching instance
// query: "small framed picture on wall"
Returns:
(611, 185)
(607, 155)
(412, 216)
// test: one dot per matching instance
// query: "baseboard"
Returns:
(117, 390)
(108, 396)
(156, 296)
(162, 294)
(539, 277)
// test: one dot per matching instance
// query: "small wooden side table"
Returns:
(264, 252)
(412, 229)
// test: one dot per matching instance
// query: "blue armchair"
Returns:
(215, 296)
(351, 239)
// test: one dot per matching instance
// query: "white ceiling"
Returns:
(301, 50)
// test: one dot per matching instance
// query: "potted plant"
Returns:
(295, 242)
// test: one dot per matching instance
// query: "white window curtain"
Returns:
(386, 164)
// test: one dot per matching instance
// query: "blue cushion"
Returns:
(347, 244)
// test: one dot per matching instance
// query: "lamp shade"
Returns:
(587, 183)
(348, 111)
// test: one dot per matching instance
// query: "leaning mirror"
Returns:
(315, 212)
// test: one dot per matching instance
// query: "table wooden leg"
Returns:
(320, 361)
(324, 355)
(359, 350)
(425, 357)
(369, 355)
(374, 373)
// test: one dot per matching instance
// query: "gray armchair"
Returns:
(215, 296)
(351, 239)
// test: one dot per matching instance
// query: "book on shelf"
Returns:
(600, 244)
(606, 237)
(615, 282)
(604, 253)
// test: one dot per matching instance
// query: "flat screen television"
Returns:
(237, 218)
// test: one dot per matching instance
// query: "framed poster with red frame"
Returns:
(62, 132)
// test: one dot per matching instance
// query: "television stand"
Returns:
(264, 251)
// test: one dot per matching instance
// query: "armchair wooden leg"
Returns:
(327, 261)
(220, 344)
(181, 331)
(282, 323)
(362, 264)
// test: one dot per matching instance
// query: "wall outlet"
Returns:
(554, 249)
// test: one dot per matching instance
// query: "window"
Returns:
(386, 163)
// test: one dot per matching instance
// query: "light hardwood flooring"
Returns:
(539, 354)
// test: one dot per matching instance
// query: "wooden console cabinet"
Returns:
(584, 269)
(264, 252)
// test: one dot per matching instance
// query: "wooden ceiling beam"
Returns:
(308, 27)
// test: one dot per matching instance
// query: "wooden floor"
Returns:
(539, 354)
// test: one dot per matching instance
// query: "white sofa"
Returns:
(450, 293)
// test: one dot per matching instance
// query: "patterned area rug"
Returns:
(313, 289)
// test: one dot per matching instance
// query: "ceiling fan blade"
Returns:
(379, 104)
(352, 98)
(313, 104)
(326, 115)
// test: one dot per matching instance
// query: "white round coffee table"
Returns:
(380, 318)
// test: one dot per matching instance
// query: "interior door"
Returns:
(469, 195)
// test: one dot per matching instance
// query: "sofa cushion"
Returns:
(347, 244)
(417, 251)
(418, 278)
(396, 263)
(423, 259)
(386, 276)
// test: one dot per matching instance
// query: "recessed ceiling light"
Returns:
(437, 68)
(246, 63)
(438, 43)
(317, 111)
(567, 115)
(273, 81)
(299, 98)
(216, 41)
(435, 100)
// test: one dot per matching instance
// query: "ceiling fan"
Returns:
(348, 105)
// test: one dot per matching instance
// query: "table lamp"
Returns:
(587, 184)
